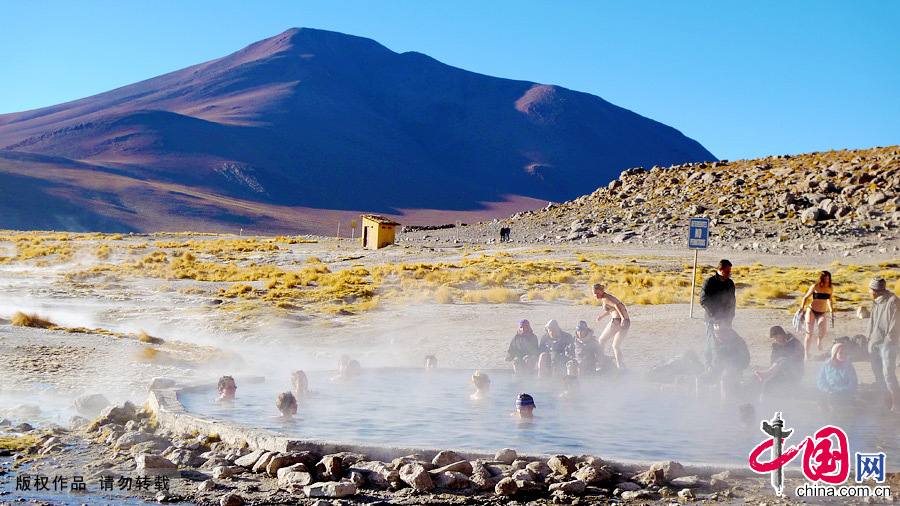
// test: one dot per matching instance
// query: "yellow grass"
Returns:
(21, 319)
(147, 338)
(18, 444)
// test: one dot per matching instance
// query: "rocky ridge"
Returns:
(837, 200)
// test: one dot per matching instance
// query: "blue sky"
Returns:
(744, 78)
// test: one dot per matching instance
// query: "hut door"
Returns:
(365, 237)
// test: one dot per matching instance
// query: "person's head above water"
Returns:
(299, 382)
(525, 328)
(552, 328)
(286, 404)
(227, 388)
(430, 362)
(724, 268)
(353, 368)
(481, 381)
(525, 406)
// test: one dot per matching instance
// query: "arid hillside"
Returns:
(844, 200)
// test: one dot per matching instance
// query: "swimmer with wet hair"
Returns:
(299, 385)
(286, 404)
(482, 385)
(227, 388)
(430, 362)
(524, 407)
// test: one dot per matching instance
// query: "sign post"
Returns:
(698, 239)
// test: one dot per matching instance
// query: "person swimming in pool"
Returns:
(287, 405)
(524, 407)
(299, 385)
(482, 384)
(227, 389)
(347, 369)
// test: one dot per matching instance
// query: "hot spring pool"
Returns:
(626, 420)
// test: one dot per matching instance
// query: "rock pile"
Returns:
(841, 199)
(222, 470)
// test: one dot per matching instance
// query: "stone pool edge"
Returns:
(171, 414)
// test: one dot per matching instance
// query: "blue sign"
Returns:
(698, 237)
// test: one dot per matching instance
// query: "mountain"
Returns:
(315, 123)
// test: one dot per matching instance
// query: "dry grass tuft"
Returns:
(21, 319)
(147, 338)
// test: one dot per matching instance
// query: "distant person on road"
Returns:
(718, 300)
(523, 349)
(787, 359)
(837, 379)
(884, 341)
(730, 357)
(226, 388)
(585, 349)
(618, 325)
(286, 404)
(482, 385)
(553, 345)
(819, 297)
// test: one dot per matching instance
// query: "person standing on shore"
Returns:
(618, 326)
(819, 297)
(718, 300)
(884, 340)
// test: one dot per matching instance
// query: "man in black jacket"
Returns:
(717, 298)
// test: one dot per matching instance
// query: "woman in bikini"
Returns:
(819, 297)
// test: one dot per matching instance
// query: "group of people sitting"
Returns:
(559, 353)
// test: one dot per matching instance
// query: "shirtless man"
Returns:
(618, 326)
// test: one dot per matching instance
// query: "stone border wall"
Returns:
(172, 415)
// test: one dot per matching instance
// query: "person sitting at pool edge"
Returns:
(299, 385)
(730, 357)
(430, 362)
(585, 349)
(570, 386)
(227, 388)
(524, 407)
(482, 384)
(837, 379)
(286, 404)
(553, 345)
(523, 349)
(787, 362)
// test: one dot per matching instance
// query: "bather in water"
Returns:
(482, 385)
(430, 362)
(287, 405)
(524, 407)
(299, 385)
(227, 389)
(347, 369)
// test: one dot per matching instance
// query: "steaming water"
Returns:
(432, 409)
